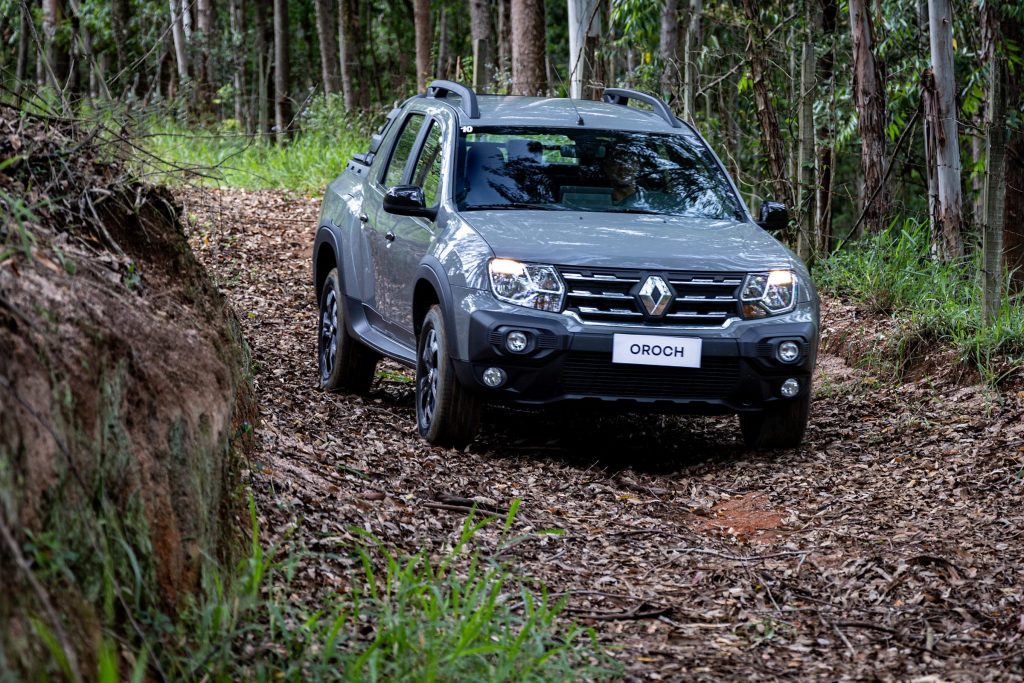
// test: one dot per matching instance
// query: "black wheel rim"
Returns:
(328, 334)
(427, 378)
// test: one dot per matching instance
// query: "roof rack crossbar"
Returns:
(623, 96)
(440, 89)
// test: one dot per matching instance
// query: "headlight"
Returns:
(526, 284)
(769, 293)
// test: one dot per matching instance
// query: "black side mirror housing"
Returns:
(774, 216)
(408, 200)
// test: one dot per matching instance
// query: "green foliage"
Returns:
(222, 155)
(894, 274)
(457, 617)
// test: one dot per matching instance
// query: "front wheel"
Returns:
(345, 363)
(780, 426)
(446, 414)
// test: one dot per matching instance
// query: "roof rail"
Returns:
(440, 89)
(623, 96)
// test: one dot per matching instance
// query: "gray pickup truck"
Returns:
(534, 251)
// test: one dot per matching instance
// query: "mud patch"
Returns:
(746, 518)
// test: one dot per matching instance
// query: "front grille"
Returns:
(609, 296)
(594, 373)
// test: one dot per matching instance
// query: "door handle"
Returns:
(363, 218)
(389, 236)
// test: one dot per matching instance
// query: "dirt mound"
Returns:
(124, 394)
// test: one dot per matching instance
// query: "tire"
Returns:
(446, 414)
(345, 364)
(780, 426)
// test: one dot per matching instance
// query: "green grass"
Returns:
(457, 617)
(223, 155)
(931, 302)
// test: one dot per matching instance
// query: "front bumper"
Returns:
(568, 362)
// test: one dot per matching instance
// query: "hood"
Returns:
(618, 240)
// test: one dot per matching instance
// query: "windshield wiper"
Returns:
(511, 205)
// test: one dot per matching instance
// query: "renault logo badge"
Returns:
(655, 295)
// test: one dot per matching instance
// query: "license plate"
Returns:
(650, 349)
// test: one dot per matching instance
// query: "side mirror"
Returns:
(774, 217)
(407, 200)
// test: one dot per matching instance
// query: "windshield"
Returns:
(588, 170)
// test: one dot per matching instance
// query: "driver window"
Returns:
(428, 167)
(396, 166)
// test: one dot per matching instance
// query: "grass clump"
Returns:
(460, 617)
(325, 140)
(931, 301)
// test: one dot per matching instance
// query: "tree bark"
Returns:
(869, 96)
(328, 46)
(482, 35)
(424, 37)
(668, 49)
(584, 31)
(204, 45)
(505, 40)
(529, 45)
(805, 153)
(947, 241)
(178, 34)
(263, 47)
(826, 133)
(51, 19)
(120, 12)
(282, 101)
(1004, 29)
(236, 18)
(345, 52)
(21, 66)
(442, 43)
(691, 47)
(770, 137)
(995, 192)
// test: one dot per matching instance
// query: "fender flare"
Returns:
(327, 233)
(431, 271)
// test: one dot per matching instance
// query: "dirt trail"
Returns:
(889, 546)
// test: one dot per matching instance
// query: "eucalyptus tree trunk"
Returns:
(345, 53)
(424, 38)
(204, 45)
(1012, 29)
(482, 35)
(264, 52)
(282, 103)
(770, 136)
(51, 19)
(947, 240)
(120, 12)
(178, 34)
(668, 49)
(826, 131)
(442, 43)
(691, 48)
(236, 17)
(529, 45)
(869, 96)
(505, 39)
(328, 46)
(21, 65)
(805, 152)
(995, 191)
(584, 30)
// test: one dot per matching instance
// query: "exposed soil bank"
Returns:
(124, 397)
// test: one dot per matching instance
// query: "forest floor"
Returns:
(889, 546)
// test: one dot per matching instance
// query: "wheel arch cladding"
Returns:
(326, 260)
(424, 296)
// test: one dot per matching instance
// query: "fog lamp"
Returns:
(516, 341)
(789, 351)
(790, 388)
(494, 377)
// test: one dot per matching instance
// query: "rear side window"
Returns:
(403, 147)
(428, 167)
